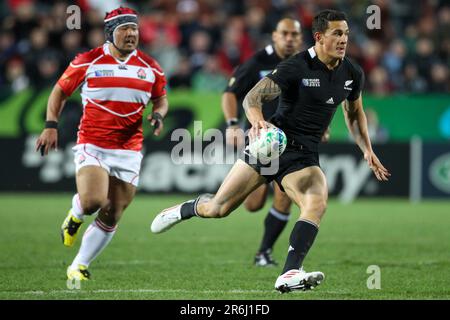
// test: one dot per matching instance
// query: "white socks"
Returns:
(95, 239)
(76, 210)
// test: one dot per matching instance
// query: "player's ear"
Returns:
(318, 37)
(274, 36)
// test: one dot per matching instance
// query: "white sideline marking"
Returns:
(54, 292)
(101, 262)
(136, 262)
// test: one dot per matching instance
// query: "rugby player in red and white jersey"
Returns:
(117, 81)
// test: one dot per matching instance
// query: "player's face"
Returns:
(127, 37)
(335, 39)
(287, 38)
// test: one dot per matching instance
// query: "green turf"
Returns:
(211, 259)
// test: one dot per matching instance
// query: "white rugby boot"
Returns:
(167, 218)
(298, 280)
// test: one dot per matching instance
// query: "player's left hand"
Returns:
(378, 169)
(326, 135)
(156, 121)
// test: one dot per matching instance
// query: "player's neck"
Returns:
(279, 53)
(329, 62)
(122, 56)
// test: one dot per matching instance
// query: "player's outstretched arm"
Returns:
(234, 134)
(265, 90)
(49, 137)
(356, 121)
(160, 109)
(229, 106)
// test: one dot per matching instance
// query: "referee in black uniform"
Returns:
(287, 41)
(311, 85)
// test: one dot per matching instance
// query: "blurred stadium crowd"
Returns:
(200, 42)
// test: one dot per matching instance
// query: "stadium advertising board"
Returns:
(347, 173)
(23, 169)
(436, 170)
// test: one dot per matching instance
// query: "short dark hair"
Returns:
(320, 22)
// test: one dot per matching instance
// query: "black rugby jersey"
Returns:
(310, 94)
(249, 73)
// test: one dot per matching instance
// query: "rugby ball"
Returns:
(269, 145)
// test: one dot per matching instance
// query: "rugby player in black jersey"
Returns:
(311, 84)
(287, 41)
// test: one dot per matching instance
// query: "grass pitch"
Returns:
(212, 259)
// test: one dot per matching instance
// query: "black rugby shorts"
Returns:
(294, 158)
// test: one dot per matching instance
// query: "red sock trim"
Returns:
(104, 227)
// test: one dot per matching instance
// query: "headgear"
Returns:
(117, 18)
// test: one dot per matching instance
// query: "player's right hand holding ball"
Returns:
(256, 127)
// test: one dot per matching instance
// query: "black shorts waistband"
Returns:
(298, 146)
(295, 145)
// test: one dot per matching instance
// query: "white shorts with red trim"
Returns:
(122, 164)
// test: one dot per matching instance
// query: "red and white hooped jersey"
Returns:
(114, 95)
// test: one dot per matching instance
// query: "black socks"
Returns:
(188, 209)
(302, 238)
(273, 226)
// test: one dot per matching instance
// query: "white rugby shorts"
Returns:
(122, 164)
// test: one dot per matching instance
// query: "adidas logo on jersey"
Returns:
(330, 101)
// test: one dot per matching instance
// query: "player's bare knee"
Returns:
(314, 211)
(319, 208)
(92, 204)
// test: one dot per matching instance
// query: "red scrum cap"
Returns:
(117, 18)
